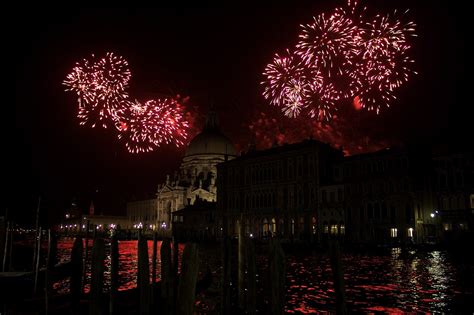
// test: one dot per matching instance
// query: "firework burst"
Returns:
(101, 86)
(151, 124)
(385, 62)
(341, 57)
(101, 89)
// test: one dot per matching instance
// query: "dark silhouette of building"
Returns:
(309, 191)
(196, 221)
(275, 191)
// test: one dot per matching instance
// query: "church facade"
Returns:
(195, 179)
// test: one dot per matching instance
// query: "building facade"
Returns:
(388, 197)
(275, 192)
(310, 191)
(453, 184)
(195, 179)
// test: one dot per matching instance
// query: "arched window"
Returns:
(274, 228)
(281, 226)
(301, 225)
(325, 227)
(342, 228)
(265, 226)
(292, 226)
(236, 227)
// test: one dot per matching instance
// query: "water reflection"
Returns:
(128, 260)
(395, 282)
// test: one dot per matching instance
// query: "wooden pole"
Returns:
(5, 249)
(36, 232)
(175, 271)
(38, 251)
(114, 262)
(153, 261)
(241, 265)
(188, 280)
(251, 278)
(338, 277)
(50, 262)
(166, 277)
(277, 276)
(226, 274)
(10, 248)
(97, 276)
(86, 256)
(143, 280)
(76, 272)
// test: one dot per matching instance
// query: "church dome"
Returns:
(210, 140)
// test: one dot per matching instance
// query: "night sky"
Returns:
(215, 56)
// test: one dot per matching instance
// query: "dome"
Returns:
(210, 142)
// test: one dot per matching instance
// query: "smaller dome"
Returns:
(210, 142)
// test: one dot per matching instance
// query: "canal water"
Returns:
(394, 281)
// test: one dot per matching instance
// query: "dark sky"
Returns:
(214, 55)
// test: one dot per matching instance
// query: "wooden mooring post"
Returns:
(143, 275)
(277, 277)
(97, 277)
(50, 263)
(166, 278)
(37, 260)
(153, 260)
(251, 277)
(114, 264)
(86, 256)
(76, 272)
(188, 280)
(338, 276)
(241, 264)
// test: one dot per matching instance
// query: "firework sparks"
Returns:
(341, 57)
(296, 87)
(385, 64)
(151, 124)
(101, 89)
(101, 86)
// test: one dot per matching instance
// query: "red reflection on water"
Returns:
(128, 260)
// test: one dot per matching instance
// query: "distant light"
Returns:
(432, 215)
(251, 235)
(67, 215)
(436, 211)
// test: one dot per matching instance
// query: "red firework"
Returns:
(342, 57)
(151, 124)
(101, 89)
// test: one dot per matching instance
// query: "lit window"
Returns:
(393, 232)
(334, 229)
(410, 232)
(447, 226)
(342, 229)
(326, 229)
